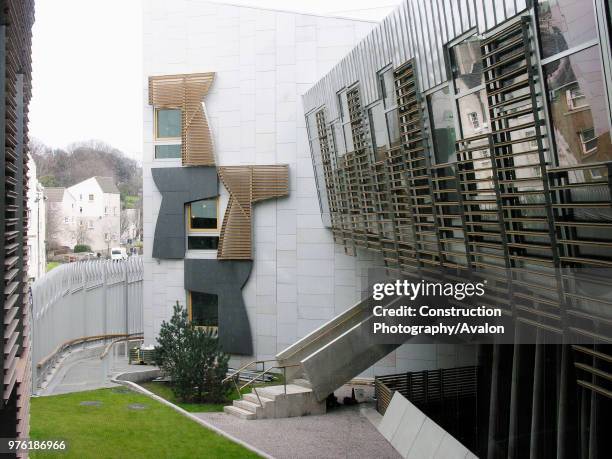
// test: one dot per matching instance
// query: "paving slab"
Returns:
(341, 433)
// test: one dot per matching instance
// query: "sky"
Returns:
(87, 65)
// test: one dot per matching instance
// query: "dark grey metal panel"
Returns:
(224, 278)
(178, 186)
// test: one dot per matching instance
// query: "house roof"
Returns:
(55, 194)
(107, 184)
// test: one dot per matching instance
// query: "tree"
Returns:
(80, 233)
(192, 358)
(53, 225)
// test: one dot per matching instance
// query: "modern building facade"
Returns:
(232, 228)
(16, 19)
(88, 212)
(474, 137)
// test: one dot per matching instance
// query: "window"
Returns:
(106, 211)
(575, 97)
(202, 225)
(473, 117)
(387, 88)
(588, 140)
(168, 123)
(466, 64)
(202, 243)
(167, 151)
(378, 131)
(91, 197)
(440, 104)
(531, 133)
(204, 310)
(65, 219)
(203, 215)
(564, 24)
(90, 225)
(473, 113)
(585, 133)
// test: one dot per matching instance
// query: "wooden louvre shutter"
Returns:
(187, 93)
(246, 185)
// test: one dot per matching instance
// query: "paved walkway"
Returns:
(88, 374)
(344, 432)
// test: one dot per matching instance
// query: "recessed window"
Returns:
(466, 64)
(588, 140)
(167, 151)
(387, 88)
(168, 123)
(379, 131)
(575, 97)
(202, 242)
(203, 215)
(576, 81)
(204, 310)
(473, 113)
(440, 105)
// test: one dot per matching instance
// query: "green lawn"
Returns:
(113, 430)
(52, 264)
(165, 391)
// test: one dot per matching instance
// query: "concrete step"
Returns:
(239, 412)
(253, 398)
(281, 390)
(247, 405)
(302, 382)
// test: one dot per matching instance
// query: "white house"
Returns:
(36, 224)
(86, 213)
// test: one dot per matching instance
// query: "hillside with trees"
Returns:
(57, 167)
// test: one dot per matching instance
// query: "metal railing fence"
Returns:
(83, 302)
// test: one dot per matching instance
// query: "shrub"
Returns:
(82, 248)
(192, 358)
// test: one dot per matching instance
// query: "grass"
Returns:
(52, 264)
(164, 390)
(112, 430)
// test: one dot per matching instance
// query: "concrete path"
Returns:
(88, 373)
(344, 432)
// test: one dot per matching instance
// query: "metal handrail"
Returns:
(244, 367)
(236, 376)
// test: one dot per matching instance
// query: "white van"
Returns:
(118, 253)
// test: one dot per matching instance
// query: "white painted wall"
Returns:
(264, 60)
(37, 263)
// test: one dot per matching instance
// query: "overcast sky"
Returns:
(87, 67)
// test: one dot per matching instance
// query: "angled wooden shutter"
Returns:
(246, 185)
(187, 93)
